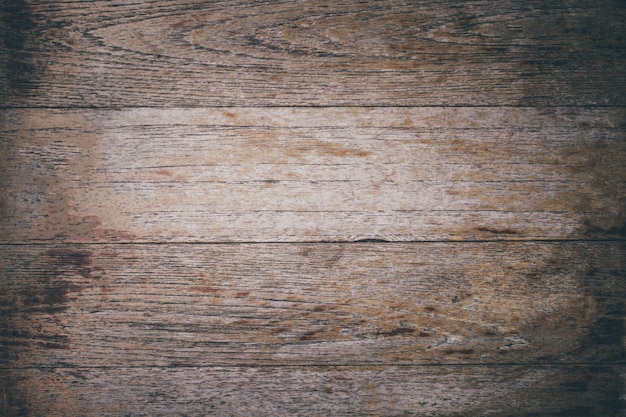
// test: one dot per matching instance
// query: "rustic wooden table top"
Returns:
(312, 208)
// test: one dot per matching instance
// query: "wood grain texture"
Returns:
(331, 174)
(197, 53)
(346, 329)
(540, 391)
(412, 303)
(312, 208)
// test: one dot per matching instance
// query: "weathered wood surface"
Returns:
(337, 304)
(198, 53)
(331, 174)
(542, 391)
(345, 329)
(183, 185)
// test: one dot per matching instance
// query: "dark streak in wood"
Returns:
(14, 399)
(62, 258)
(76, 258)
(466, 351)
(50, 297)
(20, 67)
(497, 231)
(592, 230)
(399, 331)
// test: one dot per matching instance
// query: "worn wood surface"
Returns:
(198, 53)
(583, 390)
(424, 328)
(337, 304)
(285, 174)
(312, 208)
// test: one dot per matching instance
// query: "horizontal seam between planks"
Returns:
(326, 365)
(318, 242)
(316, 106)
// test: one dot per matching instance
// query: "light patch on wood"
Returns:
(326, 174)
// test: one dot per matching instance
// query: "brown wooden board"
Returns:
(502, 328)
(356, 53)
(331, 174)
(447, 390)
(316, 304)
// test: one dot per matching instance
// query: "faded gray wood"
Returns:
(552, 390)
(336, 304)
(330, 174)
(198, 53)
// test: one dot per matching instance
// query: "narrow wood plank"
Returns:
(329, 174)
(197, 53)
(312, 304)
(277, 391)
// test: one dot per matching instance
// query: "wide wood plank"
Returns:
(333, 304)
(198, 53)
(546, 391)
(327, 174)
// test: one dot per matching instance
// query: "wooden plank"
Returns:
(312, 304)
(318, 174)
(197, 53)
(338, 391)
